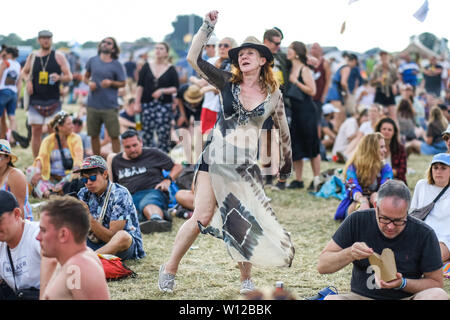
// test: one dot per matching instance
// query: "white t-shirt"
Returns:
(26, 259)
(211, 101)
(439, 217)
(366, 128)
(348, 128)
(13, 73)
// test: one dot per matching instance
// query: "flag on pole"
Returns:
(421, 14)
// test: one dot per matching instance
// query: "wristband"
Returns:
(403, 285)
(168, 178)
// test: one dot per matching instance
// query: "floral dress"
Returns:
(244, 219)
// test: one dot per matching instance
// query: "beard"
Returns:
(105, 50)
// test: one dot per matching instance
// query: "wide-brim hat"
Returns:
(5, 148)
(92, 162)
(250, 42)
(193, 94)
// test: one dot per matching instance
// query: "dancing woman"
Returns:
(227, 175)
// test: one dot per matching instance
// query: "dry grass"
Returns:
(208, 273)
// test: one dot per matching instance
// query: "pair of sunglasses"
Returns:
(92, 178)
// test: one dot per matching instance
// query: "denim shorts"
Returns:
(143, 198)
(124, 255)
(8, 101)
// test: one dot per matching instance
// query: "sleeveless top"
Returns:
(319, 77)
(46, 90)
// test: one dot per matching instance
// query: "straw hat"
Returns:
(5, 148)
(193, 94)
(251, 42)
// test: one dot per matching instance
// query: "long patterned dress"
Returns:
(244, 219)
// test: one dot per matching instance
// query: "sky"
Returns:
(387, 24)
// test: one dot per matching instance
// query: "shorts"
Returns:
(96, 117)
(124, 255)
(355, 296)
(34, 117)
(208, 119)
(143, 198)
(8, 101)
(384, 100)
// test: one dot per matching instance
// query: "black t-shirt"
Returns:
(416, 251)
(434, 130)
(142, 173)
(433, 83)
(150, 84)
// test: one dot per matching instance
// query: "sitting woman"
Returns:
(13, 179)
(426, 191)
(434, 143)
(365, 172)
(59, 154)
(395, 151)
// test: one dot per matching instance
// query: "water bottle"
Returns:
(137, 120)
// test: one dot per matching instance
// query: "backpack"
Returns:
(114, 268)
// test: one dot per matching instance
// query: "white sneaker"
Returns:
(247, 286)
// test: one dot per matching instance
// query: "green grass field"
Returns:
(208, 273)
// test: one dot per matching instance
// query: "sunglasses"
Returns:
(92, 178)
(225, 45)
(275, 43)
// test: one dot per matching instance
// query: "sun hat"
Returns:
(250, 42)
(328, 108)
(92, 162)
(5, 148)
(442, 158)
(193, 94)
(8, 202)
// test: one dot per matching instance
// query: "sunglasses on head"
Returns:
(92, 178)
(225, 45)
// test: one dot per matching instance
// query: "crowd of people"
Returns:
(108, 177)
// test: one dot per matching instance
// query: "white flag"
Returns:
(421, 14)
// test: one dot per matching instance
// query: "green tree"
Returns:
(183, 26)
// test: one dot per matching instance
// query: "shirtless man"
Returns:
(79, 275)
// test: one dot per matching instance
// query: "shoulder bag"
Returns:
(23, 294)
(423, 212)
(294, 92)
(26, 96)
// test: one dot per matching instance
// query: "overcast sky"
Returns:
(369, 23)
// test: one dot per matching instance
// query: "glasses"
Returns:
(386, 220)
(225, 45)
(275, 43)
(92, 178)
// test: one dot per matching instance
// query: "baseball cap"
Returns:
(442, 158)
(45, 34)
(328, 108)
(92, 162)
(212, 41)
(8, 202)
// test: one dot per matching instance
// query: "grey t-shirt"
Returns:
(104, 98)
(142, 173)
